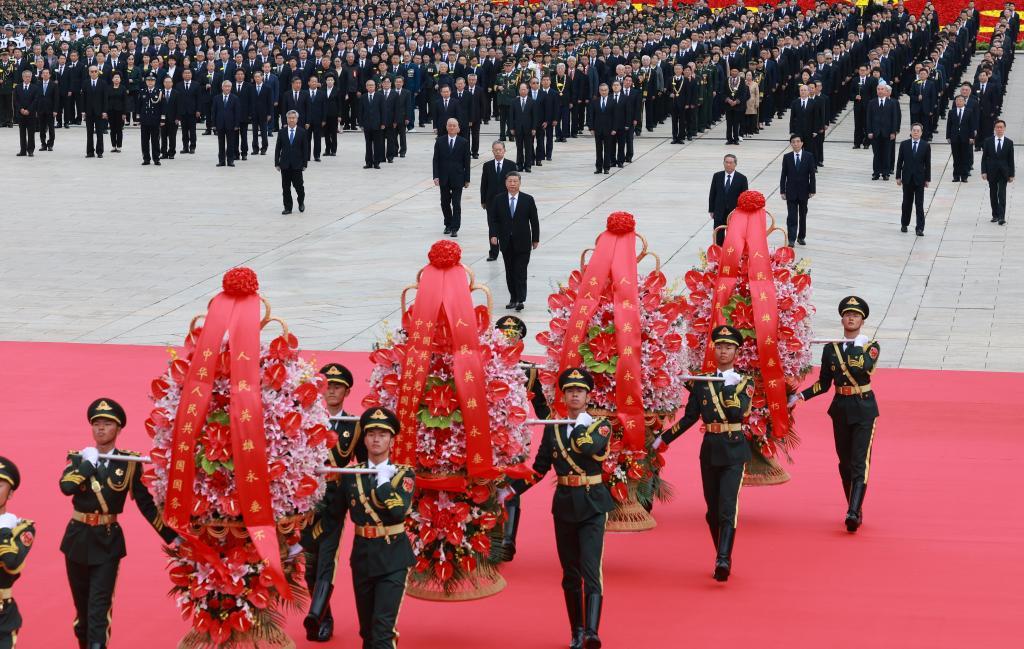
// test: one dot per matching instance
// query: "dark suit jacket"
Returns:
(601, 121)
(262, 104)
(804, 121)
(721, 202)
(442, 114)
(48, 101)
(371, 113)
(287, 155)
(798, 183)
(914, 168)
(226, 117)
(523, 118)
(451, 165)
(883, 122)
(402, 101)
(171, 108)
(332, 104)
(518, 232)
(188, 100)
(94, 100)
(317, 108)
(997, 166)
(492, 183)
(962, 130)
(389, 102)
(26, 99)
(301, 106)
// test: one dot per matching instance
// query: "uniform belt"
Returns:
(578, 480)
(6, 594)
(94, 519)
(380, 531)
(723, 428)
(850, 390)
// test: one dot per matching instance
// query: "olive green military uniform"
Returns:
(8, 81)
(507, 88)
(15, 543)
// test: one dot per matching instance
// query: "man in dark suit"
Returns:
(371, 119)
(391, 120)
(26, 106)
(296, 99)
(445, 108)
(883, 127)
(803, 117)
(476, 99)
(600, 118)
(226, 112)
(169, 124)
(262, 112)
(188, 92)
(632, 107)
(988, 96)
(242, 89)
(522, 126)
(316, 119)
(961, 132)
(403, 107)
(924, 99)
(47, 110)
(94, 111)
(998, 169)
(914, 172)
(290, 159)
(619, 123)
(859, 95)
(736, 96)
(726, 187)
(492, 183)
(451, 174)
(515, 228)
(796, 186)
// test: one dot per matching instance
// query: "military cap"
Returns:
(575, 377)
(105, 408)
(9, 473)
(854, 303)
(726, 334)
(511, 326)
(337, 373)
(150, 77)
(379, 418)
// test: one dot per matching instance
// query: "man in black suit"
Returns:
(883, 127)
(961, 132)
(242, 89)
(403, 107)
(169, 124)
(619, 123)
(26, 106)
(600, 118)
(296, 99)
(736, 96)
(476, 98)
(451, 174)
(492, 183)
(391, 119)
(290, 159)
(445, 108)
(632, 110)
(797, 186)
(514, 227)
(988, 96)
(858, 94)
(522, 126)
(371, 119)
(804, 117)
(188, 92)
(997, 168)
(94, 111)
(316, 119)
(262, 112)
(914, 172)
(226, 117)
(47, 110)
(726, 187)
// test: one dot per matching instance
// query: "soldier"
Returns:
(151, 118)
(381, 552)
(849, 365)
(8, 80)
(16, 536)
(507, 88)
(93, 542)
(724, 451)
(323, 535)
(581, 503)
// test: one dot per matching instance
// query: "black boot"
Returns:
(327, 626)
(508, 543)
(846, 490)
(723, 563)
(574, 607)
(590, 638)
(713, 528)
(318, 606)
(97, 645)
(854, 515)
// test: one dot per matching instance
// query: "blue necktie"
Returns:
(291, 136)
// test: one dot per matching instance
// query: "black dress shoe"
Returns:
(377, 166)
(903, 228)
(449, 230)
(489, 258)
(220, 164)
(520, 306)
(801, 242)
(885, 177)
(964, 179)
(302, 207)
(286, 212)
(156, 162)
(318, 160)
(539, 163)
(606, 171)
(995, 219)
(596, 172)
(919, 233)
(231, 164)
(956, 179)
(1002, 221)
(89, 155)
(367, 166)
(32, 154)
(455, 234)
(22, 154)
(245, 156)
(183, 151)
(874, 176)
(510, 305)
(619, 165)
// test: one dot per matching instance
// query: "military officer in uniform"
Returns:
(722, 406)
(93, 542)
(16, 537)
(507, 88)
(151, 118)
(381, 552)
(581, 503)
(849, 365)
(322, 537)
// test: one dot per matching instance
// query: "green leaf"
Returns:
(220, 417)
(208, 466)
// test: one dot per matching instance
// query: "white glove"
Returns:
(90, 455)
(504, 494)
(731, 377)
(8, 521)
(860, 340)
(658, 443)
(792, 401)
(385, 473)
(294, 550)
(584, 419)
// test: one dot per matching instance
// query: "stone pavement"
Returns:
(107, 251)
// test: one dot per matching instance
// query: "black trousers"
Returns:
(721, 493)
(853, 447)
(403, 145)
(733, 119)
(549, 140)
(227, 144)
(93, 126)
(474, 139)
(10, 619)
(378, 600)
(451, 205)
(719, 221)
(503, 114)
(70, 106)
(390, 142)
(330, 136)
(314, 140)
(565, 127)
(516, 264)
(374, 141)
(116, 121)
(46, 131)
(880, 154)
(581, 551)
(579, 117)
(913, 197)
(242, 140)
(92, 589)
(962, 155)
(625, 145)
(818, 148)
(26, 133)
(796, 220)
(604, 145)
(188, 132)
(524, 149)
(292, 178)
(997, 197)
(539, 143)
(168, 139)
(150, 140)
(679, 127)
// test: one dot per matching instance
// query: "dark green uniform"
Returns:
(93, 542)
(15, 543)
(507, 88)
(853, 410)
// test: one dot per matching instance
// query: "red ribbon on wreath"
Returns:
(746, 232)
(613, 266)
(235, 312)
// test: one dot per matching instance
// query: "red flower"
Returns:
(158, 388)
(239, 282)
(673, 342)
(307, 486)
(743, 316)
(621, 223)
(467, 563)
(750, 201)
(441, 400)
(602, 346)
(443, 570)
(444, 254)
(479, 493)
(620, 492)
(481, 543)
(306, 394)
(216, 440)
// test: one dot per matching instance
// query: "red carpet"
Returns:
(937, 564)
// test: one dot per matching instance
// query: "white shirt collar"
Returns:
(371, 465)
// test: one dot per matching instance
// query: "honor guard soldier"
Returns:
(93, 542)
(581, 503)
(722, 406)
(515, 330)
(322, 536)
(381, 552)
(849, 366)
(16, 536)
(151, 117)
